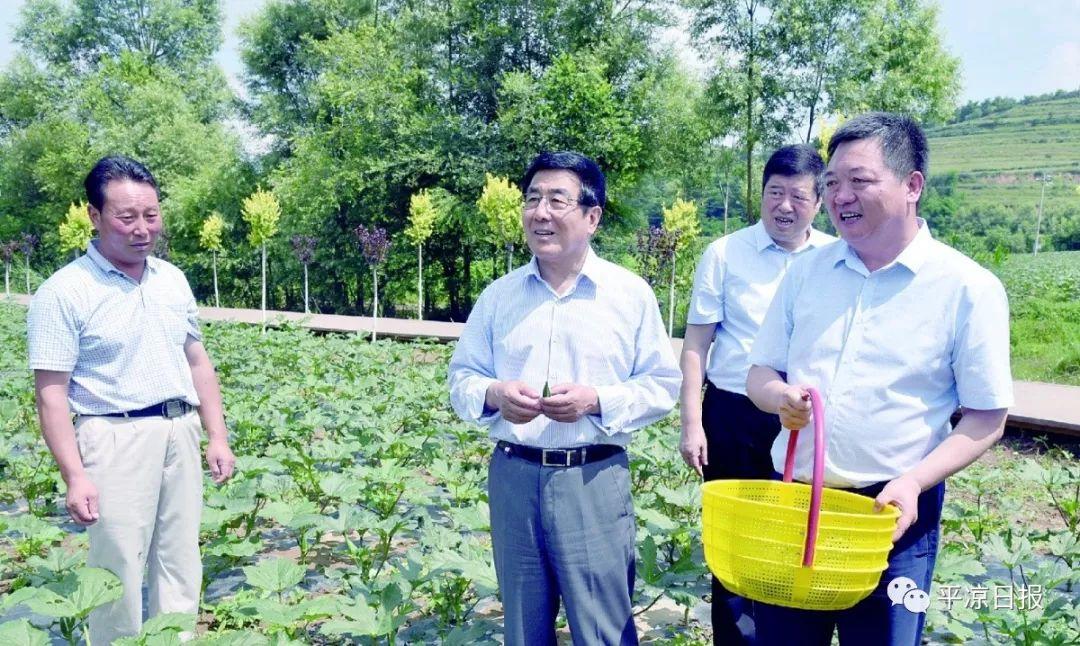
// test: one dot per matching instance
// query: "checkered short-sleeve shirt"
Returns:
(121, 340)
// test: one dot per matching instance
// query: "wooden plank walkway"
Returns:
(1052, 408)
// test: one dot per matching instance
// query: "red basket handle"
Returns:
(819, 472)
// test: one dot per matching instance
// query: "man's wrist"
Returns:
(70, 475)
(594, 407)
(491, 396)
(218, 436)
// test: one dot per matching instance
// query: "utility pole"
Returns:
(1038, 223)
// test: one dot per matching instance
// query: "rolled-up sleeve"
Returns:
(52, 332)
(651, 391)
(472, 366)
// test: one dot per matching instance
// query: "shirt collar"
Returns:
(913, 256)
(103, 263)
(593, 268)
(762, 239)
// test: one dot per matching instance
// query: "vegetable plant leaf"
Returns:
(274, 575)
(96, 587)
(22, 633)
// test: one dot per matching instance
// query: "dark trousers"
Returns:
(875, 619)
(739, 437)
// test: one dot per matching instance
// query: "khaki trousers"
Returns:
(148, 473)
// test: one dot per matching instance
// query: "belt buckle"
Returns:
(173, 408)
(564, 463)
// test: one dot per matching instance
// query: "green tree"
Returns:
(572, 106)
(210, 239)
(261, 212)
(749, 79)
(175, 33)
(901, 65)
(423, 216)
(682, 225)
(76, 229)
(364, 110)
(500, 204)
(7, 254)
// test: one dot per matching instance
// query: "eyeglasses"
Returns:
(557, 204)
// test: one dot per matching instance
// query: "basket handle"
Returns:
(817, 485)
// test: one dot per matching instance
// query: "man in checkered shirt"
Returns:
(114, 339)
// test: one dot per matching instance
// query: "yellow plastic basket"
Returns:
(793, 544)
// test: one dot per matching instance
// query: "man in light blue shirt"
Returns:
(562, 360)
(897, 331)
(114, 338)
(726, 435)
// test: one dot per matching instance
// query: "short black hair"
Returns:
(903, 142)
(115, 168)
(795, 160)
(593, 184)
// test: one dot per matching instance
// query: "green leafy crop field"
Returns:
(359, 514)
(1001, 156)
(1044, 298)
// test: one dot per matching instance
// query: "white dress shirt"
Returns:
(121, 340)
(605, 332)
(893, 352)
(735, 281)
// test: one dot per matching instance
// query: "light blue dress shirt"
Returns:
(894, 353)
(121, 340)
(734, 283)
(605, 332)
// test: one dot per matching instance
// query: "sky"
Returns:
(1006, 48)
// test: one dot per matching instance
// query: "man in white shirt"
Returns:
(896, 330)
(113, 337)
(726, 436)
(562, 359)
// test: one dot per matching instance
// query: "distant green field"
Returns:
(1044, 298)
(1001, 157)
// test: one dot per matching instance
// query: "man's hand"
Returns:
(902, 491)
(570, 402)
(794, 408)
(694, 447)
(82, 500)
(516, 400)
(220, 459)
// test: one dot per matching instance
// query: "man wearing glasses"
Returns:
(562, 359)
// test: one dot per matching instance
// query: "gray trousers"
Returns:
(563, 532)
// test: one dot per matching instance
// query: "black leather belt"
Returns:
(574, 457)
(167, 409)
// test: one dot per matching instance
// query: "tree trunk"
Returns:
(217, 298)
(264, 286)
(28, 275)
(509, 257)
(306, 309)
(727, 194)
(751, 216)
(671, 299)
(375, 301)
(467, 287)
(7, 279)
(420, 281)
